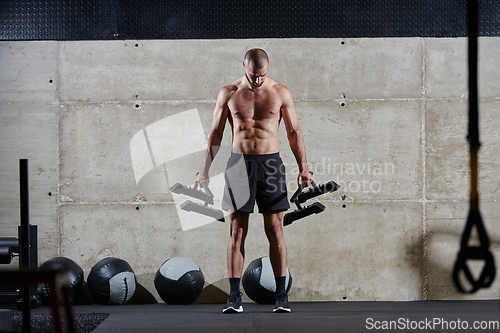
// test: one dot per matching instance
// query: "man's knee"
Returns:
(239, 225)
(274, 232)
(273, 219)
(273, 229)
(238, 234)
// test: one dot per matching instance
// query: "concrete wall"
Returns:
(386, 118)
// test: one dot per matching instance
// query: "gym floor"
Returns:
(420, 316)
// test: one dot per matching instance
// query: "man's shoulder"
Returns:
(231, 88)
(226, 92)
(281, 90)
(276, 85)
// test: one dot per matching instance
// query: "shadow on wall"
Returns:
(442, 248)
(214, 293)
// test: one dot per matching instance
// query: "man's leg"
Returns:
(236, 258)
(277, 254)
(277, 248)
(236, 248)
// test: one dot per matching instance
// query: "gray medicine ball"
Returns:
(259, 283)
(179, 281)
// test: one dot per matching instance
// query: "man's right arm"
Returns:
(294, 134)
(214, 138)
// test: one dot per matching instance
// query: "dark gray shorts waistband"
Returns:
(256, 157)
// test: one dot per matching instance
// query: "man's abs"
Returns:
(255, 137)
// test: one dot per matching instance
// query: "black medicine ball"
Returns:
(75, 276)
(112, 281)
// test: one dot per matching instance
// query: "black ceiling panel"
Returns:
(176, 19)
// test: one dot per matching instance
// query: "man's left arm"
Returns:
(294, 135)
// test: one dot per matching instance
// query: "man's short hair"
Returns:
(257, 57)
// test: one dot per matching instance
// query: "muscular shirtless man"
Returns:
(254, 106)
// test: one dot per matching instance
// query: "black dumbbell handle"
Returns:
(301, 188)
(205, 187)
(209, 193)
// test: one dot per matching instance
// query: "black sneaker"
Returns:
(233, 303)
(281, 305)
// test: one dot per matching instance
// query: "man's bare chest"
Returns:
(246, 104)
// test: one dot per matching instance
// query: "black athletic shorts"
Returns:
(251, 178)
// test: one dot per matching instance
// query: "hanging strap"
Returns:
(482, 251)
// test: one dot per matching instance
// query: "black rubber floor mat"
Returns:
(42, 323)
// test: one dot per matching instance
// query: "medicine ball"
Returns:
(259, 283)
(75, 276)
(111, 281)
(179, 281)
